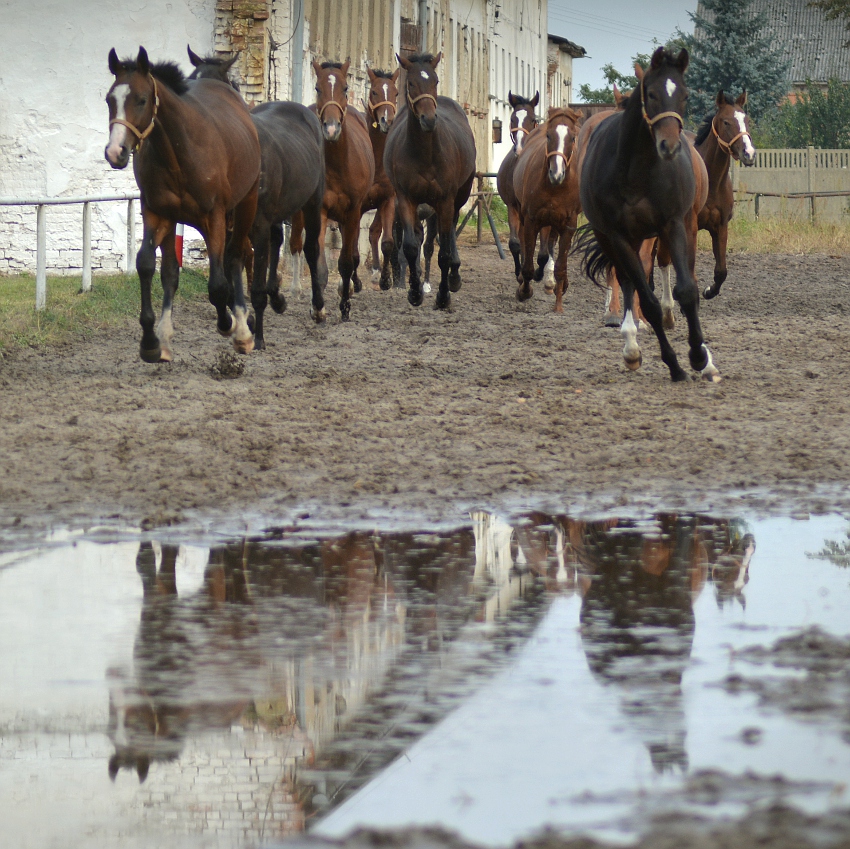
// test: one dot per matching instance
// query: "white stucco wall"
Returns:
(54, 119)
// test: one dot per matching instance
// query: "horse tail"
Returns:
(594, 262)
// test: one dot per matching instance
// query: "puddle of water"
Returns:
(491, 679)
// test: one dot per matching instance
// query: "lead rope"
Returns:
(141, 136)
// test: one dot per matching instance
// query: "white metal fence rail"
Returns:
(41, 235)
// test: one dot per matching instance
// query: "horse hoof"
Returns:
(679, 376)
(250, 321)
(259, 343)
(634, 365)
(549, 287)
(426, 287)
(318, 315)
(611, 320)
(440, 304)
(244, 346)
(277, 302)
(357, 287)
(345, 310)
(709, 293)
(668, 320)
(165, 355)
(454, 285)
(523, 294)
(414, 298)
(229, 330)
(151, 355)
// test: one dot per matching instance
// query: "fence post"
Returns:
(480, 209)
(810, 164)
(131, 235)
(757, 198)
(41, 259)
(86, 282)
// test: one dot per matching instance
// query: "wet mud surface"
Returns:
(402, 409)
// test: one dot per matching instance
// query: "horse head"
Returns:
(212, 68)
(561, 136)
(731, 128)
(381, 102)
(421, 87)
(621, 98)
(663, 98)
(133, 101)
(523, 119)
(331, 97)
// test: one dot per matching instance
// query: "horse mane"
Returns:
(421, 58)
(521, 101)
(705, 126)
(326, 65)
(385, 75)
(166, 72)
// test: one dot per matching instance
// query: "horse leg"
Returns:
(515, 242)
(428, 252)
(543, 255)
(349, 258)
(387, 219)
(630, 273)
(296, 246)
(681, 243)
(399, 259)
(562, 283)
(150, 349)
(549, 279)
(529, 237)
(719, 238)
(410, 245)
(446, 257)
(217, 286)
(664, 269)
(243, 218)
(276, 298)
(170, 275)
(612, 301)
(375, 229)
(314, 252)
(260, 239)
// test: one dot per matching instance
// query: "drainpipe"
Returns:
(423, 23)
(298, 55)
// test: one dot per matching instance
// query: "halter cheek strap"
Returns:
(374, 106)
(567, 159)
(660, 116)
(414, 100)
(726, 146)
(143, 134)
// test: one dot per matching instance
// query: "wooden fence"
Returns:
(794, 184)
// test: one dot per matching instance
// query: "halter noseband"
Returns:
(374, 106)
(141, 135)
(726, 146)
(567, 159)
(342, 109)
(412, 101)
(660, 116)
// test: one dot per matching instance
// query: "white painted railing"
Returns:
(41, 235)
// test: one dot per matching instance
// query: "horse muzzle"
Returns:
(117, 159)
(668, 148)
(331, 130)
(384, 125)
(428, 123)
(557, 174)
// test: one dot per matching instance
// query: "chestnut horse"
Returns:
(522, 122)
(292, 180)
(546, 188)
(430, 159)
(381, 105)
(637, 181)
(722, 136)
(197, 162)
(349, 174)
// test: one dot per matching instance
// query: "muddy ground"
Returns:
(422, 413)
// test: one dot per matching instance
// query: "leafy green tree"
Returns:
(730, 51)
(624, 82)
(820, 117)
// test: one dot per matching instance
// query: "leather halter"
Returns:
(412, 101)
(342, 109)
(567, 159)
(143, 134)
(513, 132)
(660, 116)
(373, 106)
(726, 146)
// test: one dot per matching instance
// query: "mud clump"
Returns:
(227, 366)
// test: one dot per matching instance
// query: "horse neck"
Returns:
(425, 143)
(336, 153)
(379, 141)
(635, 139)
(169, 133)
(717, 160)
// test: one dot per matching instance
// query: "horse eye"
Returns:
(143, 101)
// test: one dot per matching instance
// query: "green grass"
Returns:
(70, 314)
(774, 235)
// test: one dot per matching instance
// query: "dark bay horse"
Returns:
(349, 172)
(292, 179)
(637, 181)
(430, 159)
(722, 136)
(197, 162)
(522, 121)
(546, 188)
(381, 107)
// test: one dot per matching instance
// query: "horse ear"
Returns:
(511, 99)
(371, 74)
(345, 67)
(639, 72)
(114, 761)
(142, 766)
(657, 58)
(394, 77)
(193, 57)
(142, 61)
(403, 61)
(317, 67)
(536, 99)
(720, 99)
(742, 99)
(115, 66)
(682, 60)
(230, 62)
(437, 59)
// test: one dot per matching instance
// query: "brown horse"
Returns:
(722, 136)
(197, 162)
(546, 188)
(430, 159)
(381, 105)
(349, 173)
(522, 122)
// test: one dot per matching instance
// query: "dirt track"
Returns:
(401, 410)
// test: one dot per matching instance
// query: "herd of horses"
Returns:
(202, 158)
